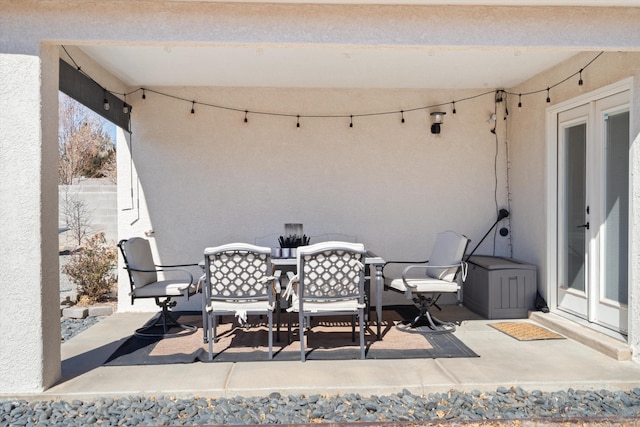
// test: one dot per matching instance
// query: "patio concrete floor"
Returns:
(548, 365)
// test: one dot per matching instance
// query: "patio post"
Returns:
(29, 301)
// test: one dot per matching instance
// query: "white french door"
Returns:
(593, 211)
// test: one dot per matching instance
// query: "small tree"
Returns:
(77, 215)
(91, 269)
(84, 147)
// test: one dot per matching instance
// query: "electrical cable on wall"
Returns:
(494, 117)
(507, 231)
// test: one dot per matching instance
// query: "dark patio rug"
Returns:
(330, 338)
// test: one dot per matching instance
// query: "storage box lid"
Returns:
(499, 263)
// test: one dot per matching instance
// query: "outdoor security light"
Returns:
(437, 121)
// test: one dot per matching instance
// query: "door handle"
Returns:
(584, 226)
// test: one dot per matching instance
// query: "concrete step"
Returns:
(598, 341)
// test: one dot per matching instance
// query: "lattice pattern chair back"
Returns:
(239, 272)
(330, 281)
(331, 274)
(239, 281)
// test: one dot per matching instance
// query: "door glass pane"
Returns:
(617, 207)
(575, 193)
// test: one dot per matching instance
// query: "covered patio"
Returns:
(247, 116)
(546, 365)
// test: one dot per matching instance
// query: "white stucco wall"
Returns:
(210, 178)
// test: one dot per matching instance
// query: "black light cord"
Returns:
(144, 90)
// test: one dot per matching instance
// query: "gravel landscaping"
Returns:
(502, 405)
(72, 327)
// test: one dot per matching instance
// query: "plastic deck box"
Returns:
(499, 288)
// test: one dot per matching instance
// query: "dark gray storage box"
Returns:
(499, 288)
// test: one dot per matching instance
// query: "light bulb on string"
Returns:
(454, 108)
(246, 120)
(144, 95)
(548, 97)
(105, 102)
(351, 123)
(580, 82)
(402, 115)
(520, 101)
(193, 107)
(298, 121)
(125, 106)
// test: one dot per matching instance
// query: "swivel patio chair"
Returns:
(144, 283)
(330, 281)
(238, 281)
(444, 272)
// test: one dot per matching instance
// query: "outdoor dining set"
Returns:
(330, 278)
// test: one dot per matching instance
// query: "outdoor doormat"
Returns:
(330, 338)
(525, 331)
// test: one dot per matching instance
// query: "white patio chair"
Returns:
(238, 281)
(144, 283)
(330, 281)
(444, 272)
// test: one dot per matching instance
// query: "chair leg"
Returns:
(432, 323)
(301, 335)
(353, 328)
(211, 323)
(360, 316)
(166, 320)
(214, 332)
(205, 323)
(270, 319)
(277, 318)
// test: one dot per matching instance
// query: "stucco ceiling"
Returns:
(323, 66)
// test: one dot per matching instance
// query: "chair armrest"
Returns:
(401, 262)
(200, 287)
(179, 265)
(462, 265)
(156, 270)
(293, 278)
(276, 282)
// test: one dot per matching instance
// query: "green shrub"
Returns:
(91, 269)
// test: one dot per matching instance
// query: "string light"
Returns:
(105, 102)
(498, 94)
(580, 82)
(125, 106)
